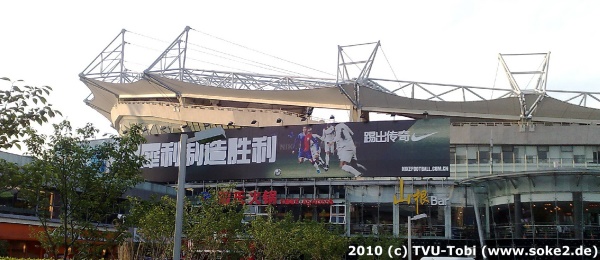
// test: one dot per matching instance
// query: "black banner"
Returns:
(418, 148)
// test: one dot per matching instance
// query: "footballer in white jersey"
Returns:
(346, 149)
(329, 139)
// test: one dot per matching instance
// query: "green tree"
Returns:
(270, 238)
(19, 107)
(154, 221)
(275, 239)
(213, 228)
(87, 181)
(318, 242)
(10, 176)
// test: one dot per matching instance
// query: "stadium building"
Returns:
(521, 168)
(518, 169)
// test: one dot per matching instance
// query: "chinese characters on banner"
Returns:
(419, 197)
(386, 136)
(221, 152)
(392, 136)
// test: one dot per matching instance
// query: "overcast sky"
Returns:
(455, 42)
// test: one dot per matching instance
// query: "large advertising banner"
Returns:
(418, 148)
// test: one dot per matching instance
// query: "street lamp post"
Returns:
(201, 137)
(420, 216)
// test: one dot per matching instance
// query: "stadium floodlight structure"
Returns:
(172, 64)
(364, 66)
(109, 65)
(540, 88)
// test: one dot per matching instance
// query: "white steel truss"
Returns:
(109, 65)
(527, 110)
(362, 79)
(172, 64)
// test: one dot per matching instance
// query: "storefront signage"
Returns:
(419, 197)
(265, 198)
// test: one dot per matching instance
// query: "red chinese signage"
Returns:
(266, 198)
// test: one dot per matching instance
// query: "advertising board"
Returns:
(418, 148)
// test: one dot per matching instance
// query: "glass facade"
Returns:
(523, 205)
(467, 161)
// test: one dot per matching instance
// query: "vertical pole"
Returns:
(122, 61)
(478, 219)
(578, 214)
(347, 214)
(518, 216)
(180, 195)
(492, 151)
(448, 220)
(409, 239)
(396, 214)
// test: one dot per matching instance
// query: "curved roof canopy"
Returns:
(107, 95)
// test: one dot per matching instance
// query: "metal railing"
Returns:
(469, 168)
(544, 231)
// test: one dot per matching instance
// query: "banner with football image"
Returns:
(418, 148)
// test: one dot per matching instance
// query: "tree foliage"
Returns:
(86, 181)
(274, 239)
(19, 107)
(214, 228)
(9, 176)
(154, 221)
(288, 239)
(318, 242)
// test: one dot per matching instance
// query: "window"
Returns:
(579, 158)
(566, 148)
(461, 154)
(566, 154)
(472, 151)
(543, 148)
(508, 154)
(452, 154)
(484, 156)
(337, 214)
(496, 154)
(254, 211)
(542, 153)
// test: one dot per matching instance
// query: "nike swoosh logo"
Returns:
(419, 138)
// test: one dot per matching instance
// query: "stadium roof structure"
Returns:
(169, 91)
